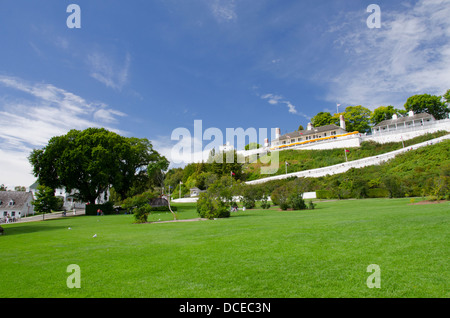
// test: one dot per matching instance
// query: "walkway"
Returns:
(48, 216)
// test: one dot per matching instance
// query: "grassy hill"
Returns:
(421, 172)
(300, 160)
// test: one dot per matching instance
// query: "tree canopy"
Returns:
(322, 119)
(91, 161)
(383, 113)
(357, 118)
(430, 104)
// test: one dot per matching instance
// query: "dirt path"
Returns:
(187, 220)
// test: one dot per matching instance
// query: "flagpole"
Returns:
(345, 152)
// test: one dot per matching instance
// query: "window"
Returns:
(324, 134)
(11, 202)
(5, 213)
(13, 213)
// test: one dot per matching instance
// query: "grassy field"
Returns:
(257, 253)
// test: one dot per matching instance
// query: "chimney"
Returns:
(394, 117)
(277, 133)
(410, 113)
(266, 142)
(342, 121)
(309, 127)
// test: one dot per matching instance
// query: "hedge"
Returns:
(378, 193)
(107, 208)
(324, 194)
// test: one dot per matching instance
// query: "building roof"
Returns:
(19, 198)
(312, 131)
(401, 120)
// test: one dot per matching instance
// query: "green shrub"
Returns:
(211, 208)
(107, 208)
(141, 213)
(296, 201)
(311, 205)
(324, 194)
(265, 204)
(284, 206)
(378, 193)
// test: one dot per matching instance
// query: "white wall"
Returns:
(408, 133)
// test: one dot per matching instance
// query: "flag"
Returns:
(232, 173)
(287, 163)
(346, 150)
(338, 105)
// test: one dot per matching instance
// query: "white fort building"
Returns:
(333, 136)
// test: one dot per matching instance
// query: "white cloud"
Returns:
(107, 71)
(409, 54)
(180, 153)
(278, 99)
(223, 10)
(107, 115)
(29, 122)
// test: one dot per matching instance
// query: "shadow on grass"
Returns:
(26, 228)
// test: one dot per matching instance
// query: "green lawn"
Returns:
(257, 253)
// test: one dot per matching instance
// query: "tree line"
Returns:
(359, 118)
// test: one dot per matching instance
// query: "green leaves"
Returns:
(430, 104)
(91, 161)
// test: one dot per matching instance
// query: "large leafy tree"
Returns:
(91, 161)
(322, 119)
(383, 113)
(357, 118)
(430, 104)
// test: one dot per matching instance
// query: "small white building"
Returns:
(195, 192)
(402, 123)
(70, 200)
(15, 204)
(309, 134)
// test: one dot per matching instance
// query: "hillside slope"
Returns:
(302, 160)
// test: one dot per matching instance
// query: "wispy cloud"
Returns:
(107, 71)
(41, 112)
(278, 99)
(223, 10)
(409, 54)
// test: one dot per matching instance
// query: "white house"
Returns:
(70, 201)
(15, 204)
(401, 123)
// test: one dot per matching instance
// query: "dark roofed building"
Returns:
(15, 204)
(309, 134)
(397, 123)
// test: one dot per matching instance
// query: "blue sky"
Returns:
(145, 68)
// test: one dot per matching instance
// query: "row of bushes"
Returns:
(370, 193)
